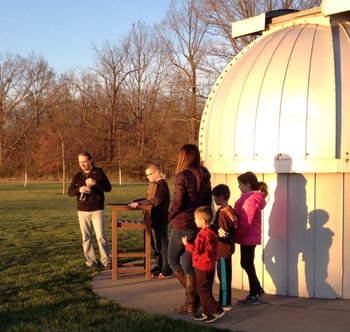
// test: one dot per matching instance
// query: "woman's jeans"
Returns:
(177, 255)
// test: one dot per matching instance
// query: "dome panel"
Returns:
(343, 93)
(293, 113)
(268, 108)
(321, 108)
(249, 100)
(223, 99)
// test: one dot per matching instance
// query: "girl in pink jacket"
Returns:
(248, 234)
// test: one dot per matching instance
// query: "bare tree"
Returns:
(12, 93)
(184, 36)
(41, 94)
(40, 79)
(111, 70)
(143, 85)
(219, 15)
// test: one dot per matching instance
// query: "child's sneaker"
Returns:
(249, 300)
(227, 308)
(261, 292)
(216, 316)
(163, 276)
(200, 316)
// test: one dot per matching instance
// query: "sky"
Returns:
(63, 31)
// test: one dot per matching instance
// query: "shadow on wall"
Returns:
(291, 241)
(317, 260)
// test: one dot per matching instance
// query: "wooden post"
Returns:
(114, 244)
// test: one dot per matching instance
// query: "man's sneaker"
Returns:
(249, 300)
(92, 265)
(108, 266)
(155, 275)
(155, 269)
(227, 307)
(200, 316)
(216, 316)
(163, 276)
(261, 292)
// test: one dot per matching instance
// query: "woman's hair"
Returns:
(250, 177)
(189, 157)
(221, 190)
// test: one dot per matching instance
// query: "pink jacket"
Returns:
(248, 208)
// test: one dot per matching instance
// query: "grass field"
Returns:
(44, 285)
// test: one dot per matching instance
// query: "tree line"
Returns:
(140, 101)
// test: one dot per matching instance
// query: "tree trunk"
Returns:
(63, 168)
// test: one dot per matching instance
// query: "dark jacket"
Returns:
(95, 200)
(160, 202)
(226, 219)
(187, 198)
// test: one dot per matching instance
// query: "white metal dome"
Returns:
(286, 94)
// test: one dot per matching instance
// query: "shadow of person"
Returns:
(287, 228)
(316, 265)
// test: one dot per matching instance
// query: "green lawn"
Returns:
(44, 285)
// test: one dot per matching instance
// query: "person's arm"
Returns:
(162, 193)
(180, 189)
(246, 216)
(199, 245)
(73, 189)
(225, 226)
(142, 201)
(102, 181)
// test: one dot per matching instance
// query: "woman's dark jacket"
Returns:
(187, 198)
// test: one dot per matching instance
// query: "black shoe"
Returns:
(155, 270)
(155, 275)
(249, 300)
(108, 266)
(200, 316)
(216, 316)
(261, 292)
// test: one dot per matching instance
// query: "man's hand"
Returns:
(184, 240)
(85, 190)
(133, 205)
(90, 182)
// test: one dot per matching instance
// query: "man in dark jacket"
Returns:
(88, 186)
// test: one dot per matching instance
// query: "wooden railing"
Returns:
(145, 226)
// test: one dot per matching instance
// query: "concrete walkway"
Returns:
(275, 314)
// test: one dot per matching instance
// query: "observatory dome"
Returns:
(285, 96)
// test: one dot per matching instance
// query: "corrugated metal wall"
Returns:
(306, 235)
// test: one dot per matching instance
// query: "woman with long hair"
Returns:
(192, 189)
(248, 209)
